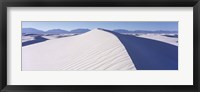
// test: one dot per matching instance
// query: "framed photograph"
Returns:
(123, 45)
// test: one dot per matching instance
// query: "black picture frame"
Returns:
(101, 3)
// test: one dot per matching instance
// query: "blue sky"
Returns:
(151, 26)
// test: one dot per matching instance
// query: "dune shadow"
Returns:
(173, 36)
(149, 54)
(36, 40)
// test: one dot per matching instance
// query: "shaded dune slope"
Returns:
(148, 54)
(94, 50)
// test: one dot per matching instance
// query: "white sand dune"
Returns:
(56, 36)
(50, 37)
(27, 38)
(94, 50)
(158, 37)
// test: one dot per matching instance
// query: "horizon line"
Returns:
(103, 28)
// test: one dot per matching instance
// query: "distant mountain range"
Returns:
(143, 31)
(56, 31)
(79, 31)
(32, 31)
(53, 31)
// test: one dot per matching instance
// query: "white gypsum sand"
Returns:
(94, 50)
(27, 38)
(159, 37)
